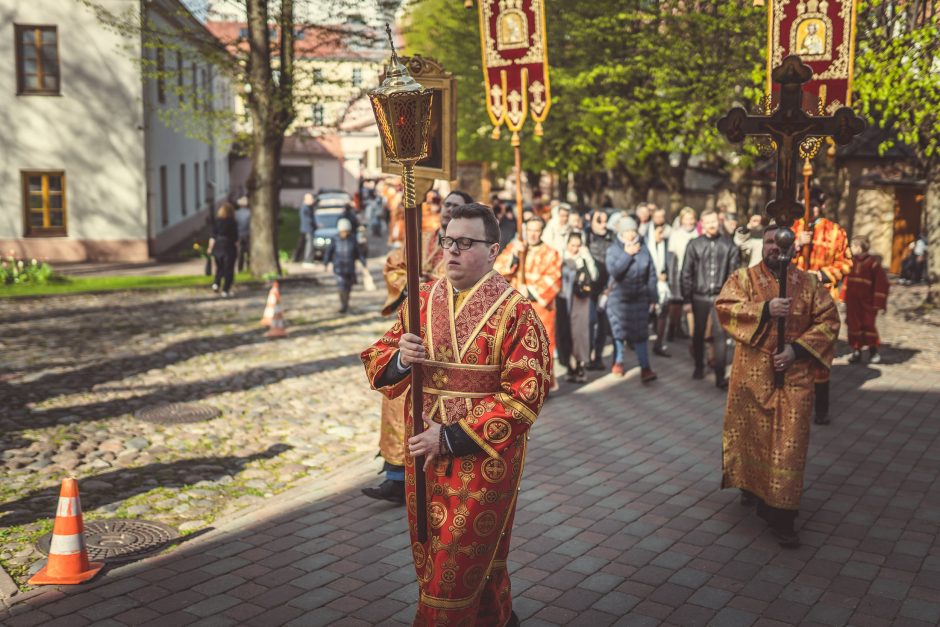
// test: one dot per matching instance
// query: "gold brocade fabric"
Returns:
(766, 430)
(392, 430)
(541, 283)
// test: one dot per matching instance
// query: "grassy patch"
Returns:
(73, 285)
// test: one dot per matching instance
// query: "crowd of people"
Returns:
(611, 277)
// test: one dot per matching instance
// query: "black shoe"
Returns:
(388, 490)
(699, 373)
(787, 538)
(721, 384)
(596, 365)
(821, 419)
(748, 499)
(660, 351)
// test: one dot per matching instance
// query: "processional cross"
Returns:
(788, 126)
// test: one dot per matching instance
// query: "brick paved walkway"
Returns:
(620, 521)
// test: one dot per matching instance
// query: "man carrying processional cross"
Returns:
(784, 320)
(487, 370)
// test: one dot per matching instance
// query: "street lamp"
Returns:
(402, 110)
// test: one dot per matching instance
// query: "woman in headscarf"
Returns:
(578, 278)
(633, 294)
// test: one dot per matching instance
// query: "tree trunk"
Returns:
(262, 193)
(932, 211)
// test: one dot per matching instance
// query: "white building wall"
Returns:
(170, 146)
(93, 132)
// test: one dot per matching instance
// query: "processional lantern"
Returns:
(402, 110)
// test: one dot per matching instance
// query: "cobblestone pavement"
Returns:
(76, 368)
(620, 519)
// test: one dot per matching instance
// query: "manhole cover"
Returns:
(119, 540)
(177, 413)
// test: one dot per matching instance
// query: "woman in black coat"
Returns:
(223, 245)
(632, 295)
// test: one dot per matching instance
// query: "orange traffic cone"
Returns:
(68, 558)
(274, 298)
(278, 326)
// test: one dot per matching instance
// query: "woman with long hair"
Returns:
(223, 245)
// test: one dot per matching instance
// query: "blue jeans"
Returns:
(640, 348)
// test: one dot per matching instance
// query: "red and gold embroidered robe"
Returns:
(866, 291)
(542, 280)
(392, 429)
(830, 253)
(487, 371)
(766, 430)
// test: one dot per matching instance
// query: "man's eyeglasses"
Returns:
(463, 243)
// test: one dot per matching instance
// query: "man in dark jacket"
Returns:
(599, 238)
(709, 261)
(304, 249)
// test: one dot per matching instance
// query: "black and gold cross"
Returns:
(788, 126)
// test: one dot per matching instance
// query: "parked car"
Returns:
(326, 230)
(334, 194)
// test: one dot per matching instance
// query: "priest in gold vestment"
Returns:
(486, 364)
(766, 430)
(392, 426)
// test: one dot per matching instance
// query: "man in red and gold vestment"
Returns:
(486, 365)
(540, 282)
(830, 260)
(392, 430)
(866, 293)
(766, 430)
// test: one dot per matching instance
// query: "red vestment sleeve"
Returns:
(377, 357)
(879, 282)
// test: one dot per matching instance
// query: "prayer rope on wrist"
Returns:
(441, 444)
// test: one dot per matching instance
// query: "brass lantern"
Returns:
(402, 110)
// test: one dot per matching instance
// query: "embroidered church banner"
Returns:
(515, 63)
(822, 33)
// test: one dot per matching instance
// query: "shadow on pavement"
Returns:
(187, 392)
(620, 518)
(119, 485)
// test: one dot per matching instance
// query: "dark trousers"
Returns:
(702, 309)
(244, 252)
(600, 332)
(822, 399)
(225, 269)
(563, 331)
(780, 519)
(300, 251)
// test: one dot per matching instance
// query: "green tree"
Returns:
(897, 85)
(636, 85)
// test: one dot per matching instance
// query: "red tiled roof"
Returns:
(323, 146)
(318, 42)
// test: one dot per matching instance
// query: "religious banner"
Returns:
(515, 63)
(822, 33)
